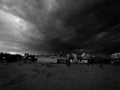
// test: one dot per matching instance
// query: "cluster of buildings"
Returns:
(61, 58)
(85, 58)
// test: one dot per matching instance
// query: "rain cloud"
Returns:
(59, 25)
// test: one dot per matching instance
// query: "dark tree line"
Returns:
(9, 58)
(6, 57)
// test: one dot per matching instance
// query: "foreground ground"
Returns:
(20, 76)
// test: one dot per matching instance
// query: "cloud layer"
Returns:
(59, 25)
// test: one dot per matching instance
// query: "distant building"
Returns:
(115, 58)
(85, 56)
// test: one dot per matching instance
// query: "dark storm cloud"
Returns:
(62, 25)
(95, 26)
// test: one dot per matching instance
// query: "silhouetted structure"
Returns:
(29, 58)
(6, 57)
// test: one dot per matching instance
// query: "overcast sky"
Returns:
(59, 25)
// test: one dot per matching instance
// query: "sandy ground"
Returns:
(20, 76)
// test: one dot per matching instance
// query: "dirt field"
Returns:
(20, 76)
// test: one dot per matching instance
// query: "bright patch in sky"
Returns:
(15, 32)
(13, 21)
